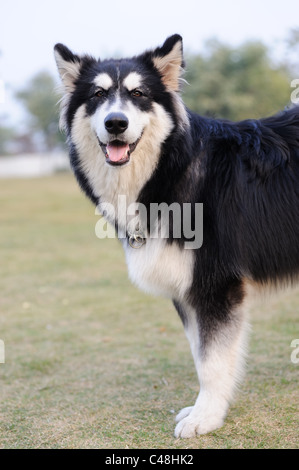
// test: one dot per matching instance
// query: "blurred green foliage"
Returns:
(236, 83)
(40, 99)
(7, 134)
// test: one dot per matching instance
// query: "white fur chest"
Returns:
(160, 268)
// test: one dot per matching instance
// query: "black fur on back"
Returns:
(246, 174)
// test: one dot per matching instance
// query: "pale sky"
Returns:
(30, 28)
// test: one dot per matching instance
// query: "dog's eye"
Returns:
(100, 93)
(136, 93)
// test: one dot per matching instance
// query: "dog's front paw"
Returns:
(183, 413)
(193, 425)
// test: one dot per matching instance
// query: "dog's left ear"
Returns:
(169, 61)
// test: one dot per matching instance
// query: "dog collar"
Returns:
(136, 240)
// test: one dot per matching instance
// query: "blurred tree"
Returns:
(236, 83)
(293, 38)
(292, 51)
(40, 100)
(7, 134)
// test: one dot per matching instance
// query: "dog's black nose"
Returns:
(116, 123)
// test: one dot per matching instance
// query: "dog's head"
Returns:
(123, 97)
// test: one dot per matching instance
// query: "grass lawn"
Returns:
(91, 362)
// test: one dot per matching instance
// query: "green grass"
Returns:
(91, 362)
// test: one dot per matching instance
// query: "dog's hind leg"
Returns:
(218, 347)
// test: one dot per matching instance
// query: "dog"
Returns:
(131, 136)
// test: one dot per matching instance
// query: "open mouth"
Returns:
(117, 152)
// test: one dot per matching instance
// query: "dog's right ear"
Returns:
(68, 65)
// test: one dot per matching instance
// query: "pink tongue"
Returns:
(116, 153)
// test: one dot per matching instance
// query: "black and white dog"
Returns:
(131, 137)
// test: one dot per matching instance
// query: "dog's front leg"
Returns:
(217, 346)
